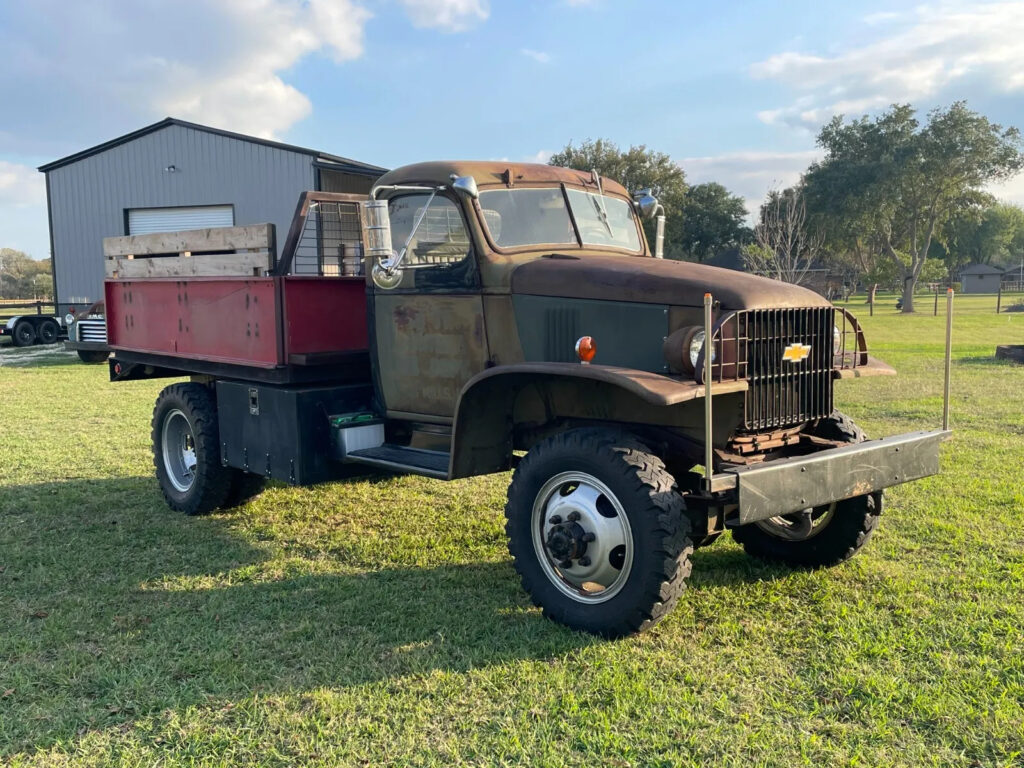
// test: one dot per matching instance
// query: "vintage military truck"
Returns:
(493, 316)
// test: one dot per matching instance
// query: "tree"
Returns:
(713, 220)
(18, 273)
(636, 168)
(786, 245)
(993, 234)
(903, 181)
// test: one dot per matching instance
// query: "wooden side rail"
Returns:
(213, 252)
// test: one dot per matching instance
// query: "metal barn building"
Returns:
(176, 175)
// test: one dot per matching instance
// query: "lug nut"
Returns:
(555, 519)
(584, 561)
(573, 517)
(588, 537)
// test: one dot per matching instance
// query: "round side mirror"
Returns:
(646, 202)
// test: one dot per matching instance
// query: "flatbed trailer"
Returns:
(519, 321)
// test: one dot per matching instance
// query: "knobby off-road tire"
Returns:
(838, 532)
(186, 450)
(244, 487)
(623, 491)
(91, 356)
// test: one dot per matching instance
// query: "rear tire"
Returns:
(615, 558)
(91, 356)
(186, 450)
(24, 334)
(822, 537)
(48, 332)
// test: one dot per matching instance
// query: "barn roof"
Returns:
(342, 163)
(980, 269)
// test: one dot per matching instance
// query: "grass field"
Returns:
(379, 621)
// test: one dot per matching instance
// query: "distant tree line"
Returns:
(22, 277)
(894, 201)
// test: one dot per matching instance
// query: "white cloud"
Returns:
(1010, 191)
(21, 185)
(749, 174)
(541, 156)
(446, 15)
(926, 51)
(539, 56)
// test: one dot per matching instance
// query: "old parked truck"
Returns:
(488, 317)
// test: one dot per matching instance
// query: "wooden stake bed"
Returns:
(211, 296)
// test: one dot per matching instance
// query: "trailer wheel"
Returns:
(186, 449)
(91, 356)
(598, 532)
(48, 332)
(245, 486)
(823, 536)
(24, 334)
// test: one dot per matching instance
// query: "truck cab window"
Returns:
(441, 237)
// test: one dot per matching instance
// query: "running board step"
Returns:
(403, 459)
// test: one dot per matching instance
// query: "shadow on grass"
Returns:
(987, 361)
(117, 609)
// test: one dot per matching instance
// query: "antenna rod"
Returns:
(949, 352)
(708, 353)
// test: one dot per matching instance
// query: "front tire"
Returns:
(824, 536)
(91, 356)
(186, 450)
(598, 532)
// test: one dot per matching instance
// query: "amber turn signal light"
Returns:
(585, 349)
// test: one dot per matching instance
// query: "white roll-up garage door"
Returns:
(143, 221)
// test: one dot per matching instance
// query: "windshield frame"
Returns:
(579, 245)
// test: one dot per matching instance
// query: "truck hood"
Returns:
(655, 281)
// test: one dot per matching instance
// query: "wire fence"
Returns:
(934, 303)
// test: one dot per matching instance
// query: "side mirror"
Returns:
(465, 185)
(377, 229)
(646, 202)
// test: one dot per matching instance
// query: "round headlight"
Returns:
(69, 319)
(696, 345)
(837, 340)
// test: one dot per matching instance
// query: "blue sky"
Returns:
(734, 92)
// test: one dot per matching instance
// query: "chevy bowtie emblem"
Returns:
(794, 353)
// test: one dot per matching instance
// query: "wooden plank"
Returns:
(197, 265)
(260, 236)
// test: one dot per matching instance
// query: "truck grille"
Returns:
(752, 346)
(92, 330)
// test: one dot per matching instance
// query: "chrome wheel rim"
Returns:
(799, 526)
(179, 451)
(581, 537)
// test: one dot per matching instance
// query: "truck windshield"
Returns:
(523, 216)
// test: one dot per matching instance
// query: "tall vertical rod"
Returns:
(709, 347)
(949, 354)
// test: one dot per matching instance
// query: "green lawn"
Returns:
(379, 621)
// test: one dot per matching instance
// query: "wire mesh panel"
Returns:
(330, 243)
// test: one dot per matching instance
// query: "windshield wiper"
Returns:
(602, 211)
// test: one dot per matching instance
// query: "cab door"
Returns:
(428, 331)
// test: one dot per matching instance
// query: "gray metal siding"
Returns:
(89, 197)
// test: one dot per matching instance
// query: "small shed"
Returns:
(175, 175)
(980, 278)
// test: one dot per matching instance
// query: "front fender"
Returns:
(484, 415)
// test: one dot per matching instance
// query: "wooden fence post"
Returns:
(935, 312)
(999, 298)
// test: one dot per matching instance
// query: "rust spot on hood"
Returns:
(656, 281)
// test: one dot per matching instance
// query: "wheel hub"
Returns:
(582, 537)
(567, 541)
